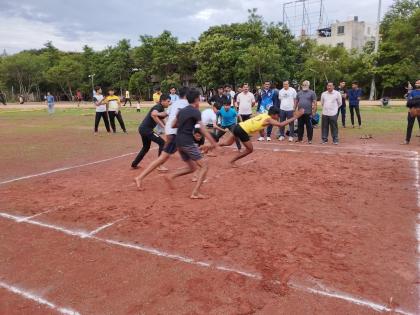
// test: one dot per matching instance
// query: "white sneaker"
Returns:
(268, 139)
(261, 139)
(290, 139)
(281, 138)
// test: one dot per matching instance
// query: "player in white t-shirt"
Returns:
(170, 144)
(101, 111)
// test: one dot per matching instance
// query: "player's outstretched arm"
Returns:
(155, 117)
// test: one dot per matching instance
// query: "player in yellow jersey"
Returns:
(244, 129)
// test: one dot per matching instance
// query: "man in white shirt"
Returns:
(331, 101)
(287, 96)
(170, 144)
(245, 101)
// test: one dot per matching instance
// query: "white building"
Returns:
(352, 34)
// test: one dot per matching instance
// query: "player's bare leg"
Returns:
(181, 172)
(248, 150)
(152, 166)
(203, 169)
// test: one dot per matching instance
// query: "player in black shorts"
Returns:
(186, 120)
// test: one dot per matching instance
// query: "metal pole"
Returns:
(375, 50)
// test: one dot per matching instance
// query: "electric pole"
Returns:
(375, 50)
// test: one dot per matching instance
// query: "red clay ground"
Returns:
(294, 218)
(342, 221)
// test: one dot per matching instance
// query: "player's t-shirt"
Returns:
(98, 98)
(112, 102)
(50, 99)
(156, 97)
(149, 123)
(228, 117)
(127, 94)
(172, 112)
(187, 118)
(254, 124)
(208, 117)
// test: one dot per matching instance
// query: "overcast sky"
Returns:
(71, 24)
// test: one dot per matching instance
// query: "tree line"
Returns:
(252, 52)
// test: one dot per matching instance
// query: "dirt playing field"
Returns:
(297, 229)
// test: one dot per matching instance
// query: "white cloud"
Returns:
(25, 34)
(205, 14)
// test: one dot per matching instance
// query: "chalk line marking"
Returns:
(355, 149)
(336, 153)
(103, 227)
(157, 252)
(36, 298)
(416, 165)
(62, 169)
(37, 215)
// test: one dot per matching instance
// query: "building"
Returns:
(352, 34)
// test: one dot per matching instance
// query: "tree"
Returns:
(67, 74)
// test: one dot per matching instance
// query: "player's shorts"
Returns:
(238, 132)
(190, 152)
(170, 145)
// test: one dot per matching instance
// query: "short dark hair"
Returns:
(267, 81)
(157, 88)
(330, 82)
(228, 86)
(164, 97)
(183, 91)
(172, 87)
(273, 111)
(226, 101)
(111, 89)
(220, 87)
(342, 81)
(97, 88)
(355, 82)
(192, 95)
(243, 84)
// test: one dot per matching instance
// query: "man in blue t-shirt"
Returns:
(266, 99)
(354, 96)
(50, 102)
(413, 103)
(229, 117)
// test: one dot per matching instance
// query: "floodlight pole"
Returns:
(375, 50)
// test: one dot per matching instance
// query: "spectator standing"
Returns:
(330, 101)
(50, 103)
(173, 95)
(245, 102)
(354, 95)
(343, 91)
(413, 103)
(306, 99)
(287, 97)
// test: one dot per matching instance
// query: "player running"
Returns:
(244, 129)
(170, 145)
(153, 118)
(186, 120)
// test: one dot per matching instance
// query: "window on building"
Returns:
(340, 30)
(340, 45)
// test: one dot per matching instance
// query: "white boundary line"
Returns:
(62, 169)
(416, 166)
(103, 227)
(31, 296)
(356, 149)
(157, 252)
(335, 153)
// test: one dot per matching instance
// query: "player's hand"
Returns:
(227, 130)
(299, 113)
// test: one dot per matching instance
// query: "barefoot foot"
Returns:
(198, 196)
(169, 182)
(139, 184)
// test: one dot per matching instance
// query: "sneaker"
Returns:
(309, 142)
(281, 138)
(291, 139)
(261, 139)
(405, 143)
(268, 138)
(335, 143)
(324, 142)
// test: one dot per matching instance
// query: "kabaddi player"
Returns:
(190, 153)
(153, 118)
(170, 145)
(244, 129)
